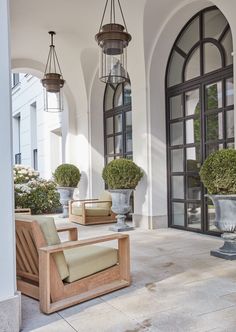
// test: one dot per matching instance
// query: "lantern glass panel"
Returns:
(113, 67)
(53, 102)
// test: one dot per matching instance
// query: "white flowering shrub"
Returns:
(24, 174)
(33, 192)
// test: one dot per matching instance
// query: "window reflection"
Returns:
(229, 91)
(176, 107)
(214, 95)
(177, 160)
(212, 58)
(214, 127)
(176, 65)
(214, 23)
(227, 43)
(176, 133)
(193, 66)
(118, 100)
(194, 215)
(190, 36)
(127, 94)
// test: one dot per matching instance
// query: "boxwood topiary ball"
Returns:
(67, 175)
(122, 174)
(218, 172)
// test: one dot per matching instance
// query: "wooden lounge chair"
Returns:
(63, 274)
(92, 211)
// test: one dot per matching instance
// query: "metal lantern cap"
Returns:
(52, 82)
(113, 32)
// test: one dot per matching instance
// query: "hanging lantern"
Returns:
(53, 81)
(113, 38)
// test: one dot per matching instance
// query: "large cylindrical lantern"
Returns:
(53, 81)
(113, 38)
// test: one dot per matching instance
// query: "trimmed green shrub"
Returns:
(24, 174)
(122, 174)
(39, 195)
(67, 175)
(218, 172)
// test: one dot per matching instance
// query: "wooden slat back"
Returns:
(26, 251)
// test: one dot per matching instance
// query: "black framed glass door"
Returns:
(200, 115)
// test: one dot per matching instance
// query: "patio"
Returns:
(176, 286)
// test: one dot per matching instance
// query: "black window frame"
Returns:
(200, 82)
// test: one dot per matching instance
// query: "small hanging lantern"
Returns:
(53, 81)
(113, 38)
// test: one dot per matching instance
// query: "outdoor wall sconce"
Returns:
(53, 81)
(113, 38)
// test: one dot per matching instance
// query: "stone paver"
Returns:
(177, 286)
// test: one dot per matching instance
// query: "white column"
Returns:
(9, 302)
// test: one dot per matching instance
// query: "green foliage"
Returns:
(39, 195)
(122, 174)
(67, 175)
(218, 173)
(24, 174)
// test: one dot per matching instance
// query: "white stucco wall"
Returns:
(25, 94)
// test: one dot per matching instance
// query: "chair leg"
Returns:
(44, 281)
(124, 258)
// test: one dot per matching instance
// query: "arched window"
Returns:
(118, 122)
(204, 45)
(200, 113)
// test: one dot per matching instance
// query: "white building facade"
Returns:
(37, 135)
(178, 106)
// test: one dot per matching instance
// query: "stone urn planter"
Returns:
(67, 177)
(225, 221)
(121, 207)
(122, 177)
(218, 174)
(66, 194)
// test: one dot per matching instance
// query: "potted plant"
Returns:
(67, 177)
(121, 176)
(218, 174)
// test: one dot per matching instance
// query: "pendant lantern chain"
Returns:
(52, 65)
(113, 13)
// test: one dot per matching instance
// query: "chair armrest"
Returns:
(75, 244)
(92, 200)
(73, 231)
(83, 200)
(97, 202)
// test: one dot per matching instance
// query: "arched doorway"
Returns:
(200, 114)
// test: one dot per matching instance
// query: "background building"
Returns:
(37, 135)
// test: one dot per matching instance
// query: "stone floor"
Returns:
(176, 286)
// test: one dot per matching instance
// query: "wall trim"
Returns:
(150, 222)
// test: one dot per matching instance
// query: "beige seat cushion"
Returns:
(91, 211)
(105, 196)
(88, 260)
(48, 228)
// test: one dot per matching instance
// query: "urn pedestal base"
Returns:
(121, 226)
(228, 250)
